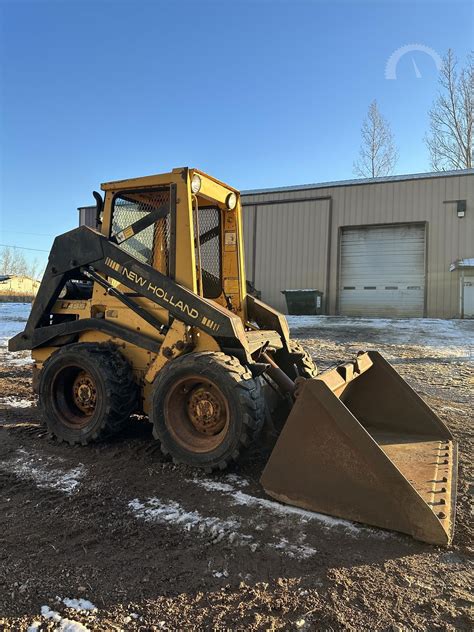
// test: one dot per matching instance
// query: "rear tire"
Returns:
(86, 392)
(206, 408)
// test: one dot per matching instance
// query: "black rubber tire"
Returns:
(116, 391)
(304, 364)
(244, 397)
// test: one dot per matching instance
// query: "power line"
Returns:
(17, 232)
(22, 248)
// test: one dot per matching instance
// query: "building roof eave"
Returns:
(360, 181)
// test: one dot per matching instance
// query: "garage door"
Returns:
(382, 271)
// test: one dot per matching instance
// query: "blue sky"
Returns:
(259, 93)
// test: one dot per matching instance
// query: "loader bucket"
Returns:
(360, 444)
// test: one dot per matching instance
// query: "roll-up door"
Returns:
(382, 271)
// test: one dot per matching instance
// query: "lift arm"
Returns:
(84, 248)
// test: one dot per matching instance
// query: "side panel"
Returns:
(291, 251)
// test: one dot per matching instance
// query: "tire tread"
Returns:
(249, 395)
(120, 386)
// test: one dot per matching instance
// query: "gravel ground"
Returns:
(112, 537)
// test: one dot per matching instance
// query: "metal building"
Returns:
(375, 247)
(87, 216)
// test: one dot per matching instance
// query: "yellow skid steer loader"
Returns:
(149, 313)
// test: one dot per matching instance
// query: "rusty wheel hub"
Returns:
(84, 393)
(206, 411)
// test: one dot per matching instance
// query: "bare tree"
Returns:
(14, 262)
(33, 269)
(5, 260)
(450, 139)
(378, 154)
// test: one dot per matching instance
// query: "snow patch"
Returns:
(171, 513)
(450, 338)
(38, 469)
(300, 551)
(213, 486)
(47, 613)
(235, 480)
(15, 402)
(294, 546)
(20, 358)
(13, 317)
(79, 604)
(156, 510)
(230, 484)
(239, 497)
(67, 625)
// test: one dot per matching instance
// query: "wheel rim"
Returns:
(74, 398)
(196, 414)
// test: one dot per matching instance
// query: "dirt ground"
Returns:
(150, 546)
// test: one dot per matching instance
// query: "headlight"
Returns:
(231, 201)
(196, 183)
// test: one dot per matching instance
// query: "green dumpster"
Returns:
(304, 302)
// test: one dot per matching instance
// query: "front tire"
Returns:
(206, 408)
(86, 392)
(297, 363)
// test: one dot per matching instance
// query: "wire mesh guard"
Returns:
(210, 246)
(152, 244)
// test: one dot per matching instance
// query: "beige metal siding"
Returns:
(248, 221)
(291, 248)
(87, 216)
(420, 200)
